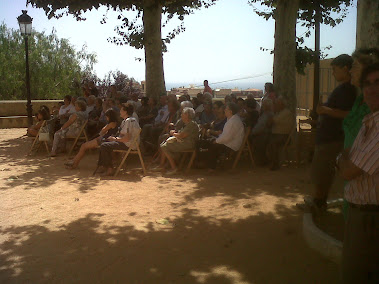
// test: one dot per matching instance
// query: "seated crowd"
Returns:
(214, 129)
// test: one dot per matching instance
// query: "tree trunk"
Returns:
(154, 75)
(285, 51)
(367, 24)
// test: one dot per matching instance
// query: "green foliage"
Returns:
(130, 31)
(54, 65)
(332, 13)
(122, 83)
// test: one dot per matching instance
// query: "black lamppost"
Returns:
(25, 22)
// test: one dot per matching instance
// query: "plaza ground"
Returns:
(67, 226)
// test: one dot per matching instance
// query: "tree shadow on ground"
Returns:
(41, 171)
(262, 248)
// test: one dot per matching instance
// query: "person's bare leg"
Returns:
(163, 160)
(86, 146)
(170, 160)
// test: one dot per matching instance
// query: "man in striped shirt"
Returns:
(360, 166)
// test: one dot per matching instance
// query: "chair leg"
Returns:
(251, 154)
(191, 161)
(72, 147)
(141, 160)
(122, 162)
(47, 147)
(236, 160)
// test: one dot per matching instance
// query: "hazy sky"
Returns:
(220, 43)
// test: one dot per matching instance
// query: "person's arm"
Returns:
(260, 126)
(107, 127)
(180, 135)
(70, 121)
(227, 134)
(346, 167)
(333, 112)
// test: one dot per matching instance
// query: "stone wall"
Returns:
(13, 113)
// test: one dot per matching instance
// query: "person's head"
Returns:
(280, 103)
(233, 97)
(111, 115)
(99, 103)
(205, 83)
(82, 99)
(251, 104)
(134, 97)
(185, 104)
(221, 112)
(228, 99)
(163, 100)
(200, 97)
(73, 100)
(269, 87)
(231, 109)
(126, 110)
(46, 108)
(188, 114)
(42, 114)
(341, 66)
(152, 102)
(207, 106)
(370, 86)
(362, 58)
(241, 103)
(80, 105)
(216, 107)
(144, 101)
(111, 102)
(91, 100)
(172, 106)
(67, 100)
(267, 105)
(182, 98)
(195, 102)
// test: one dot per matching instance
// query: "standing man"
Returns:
(207, 89)
(360, 167)
(330, 136)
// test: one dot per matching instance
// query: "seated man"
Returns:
(231, 137)
(283, 122)
(207, 115)
(150, 132)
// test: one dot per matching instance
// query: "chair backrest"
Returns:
(134, 141)
(246, 137)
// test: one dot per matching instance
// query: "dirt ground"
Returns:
(67, 226)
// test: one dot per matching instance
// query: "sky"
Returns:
(220, 43)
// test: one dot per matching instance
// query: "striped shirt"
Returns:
(365, 155)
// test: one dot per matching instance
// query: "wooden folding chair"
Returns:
(244, 146)
(130, 151)
(305, 140)
(192, 158)
(82, 135)
(36, 143)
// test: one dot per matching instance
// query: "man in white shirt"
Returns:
(231, 137)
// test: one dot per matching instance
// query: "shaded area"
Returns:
(189, 249)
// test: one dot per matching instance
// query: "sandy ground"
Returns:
(61, 226)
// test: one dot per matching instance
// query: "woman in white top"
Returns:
(129, 129)
(66, 110)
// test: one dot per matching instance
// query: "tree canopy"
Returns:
(54, 65)
(332, 12)
(131, 30)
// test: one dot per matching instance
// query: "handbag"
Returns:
(44, 135)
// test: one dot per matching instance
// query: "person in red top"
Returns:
(207, 89)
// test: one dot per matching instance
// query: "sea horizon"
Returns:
(231, 85)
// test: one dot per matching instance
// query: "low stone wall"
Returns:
(13, 121)
(18, 108)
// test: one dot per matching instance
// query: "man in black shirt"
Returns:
(330, 136)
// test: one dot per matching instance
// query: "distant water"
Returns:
(228, 85)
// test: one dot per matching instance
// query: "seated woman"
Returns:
(207, 115)
(71, 128)
(230, 139)
(218, 124)
(260, 133)
(41, 116)
(108, 130)
(129, 129)
(66, 110)
(184, 139)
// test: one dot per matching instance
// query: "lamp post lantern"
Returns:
(25, 23)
